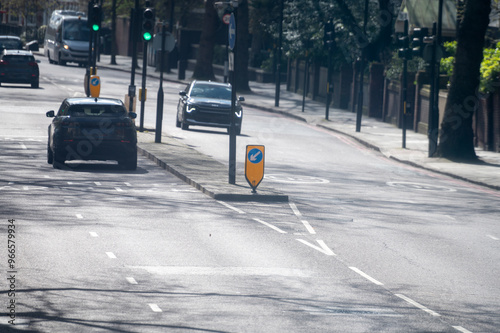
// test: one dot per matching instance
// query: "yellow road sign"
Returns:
(254, 165)
(95, 86)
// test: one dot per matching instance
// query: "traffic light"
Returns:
(418, 41)
(329, 35)
(404, 50)
(95, 16)
(148, 23)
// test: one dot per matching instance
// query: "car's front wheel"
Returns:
(58, 160)
(177, 122)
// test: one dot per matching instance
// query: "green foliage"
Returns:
(395, 67)
(490, 66)
(490, 70)
(446, 65)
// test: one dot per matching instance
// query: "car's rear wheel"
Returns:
(129, 163)
(58, 160)
(50, 156)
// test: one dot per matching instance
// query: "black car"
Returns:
(10, 43)
(207, 103)
(18, 66)
(92, 129)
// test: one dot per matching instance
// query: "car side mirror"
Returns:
(182, 93)
(241, 99)
(132, 115)
(37, 61)
(51, 114)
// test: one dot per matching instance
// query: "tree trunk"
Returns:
(456, 139)
(204, 69)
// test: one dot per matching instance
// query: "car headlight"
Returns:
(190, 108)
(239, 113)
(66, 47)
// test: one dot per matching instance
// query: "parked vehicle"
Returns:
(19, 66)
(206, 103)
(10, 43)
(92, 129)
(67, 38)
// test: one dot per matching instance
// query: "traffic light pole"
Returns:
(159, 99)
(405, 87)
(232, 126)
(134, 28)
(143, 90)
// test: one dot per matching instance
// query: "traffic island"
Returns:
(201, 171)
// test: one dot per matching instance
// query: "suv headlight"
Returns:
(190, 108)
(239, 113)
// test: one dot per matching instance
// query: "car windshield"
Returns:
(96, 110)
(211, 91)
(10, 44)
(18, 58)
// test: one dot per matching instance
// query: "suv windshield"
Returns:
(14, 58)
(96, 111)
(211, 91)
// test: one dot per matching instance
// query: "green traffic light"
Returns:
(147, 36)
(95, 27)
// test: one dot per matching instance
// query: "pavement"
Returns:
(211, 176)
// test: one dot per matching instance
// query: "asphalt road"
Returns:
(365, 244)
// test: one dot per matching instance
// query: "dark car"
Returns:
(18, 66)
(207, 103)
(10, 43)
(92, 129)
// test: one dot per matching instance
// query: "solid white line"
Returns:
(295, 209)
(492, 237)
(231, 207)
(366, 276)
(93, 234)
(309, 227)
(111, 255)
(271, 226)
(131, 280)
(418, 305)
(155, 308)
(323, 249)
(79, 216)
(461, 329)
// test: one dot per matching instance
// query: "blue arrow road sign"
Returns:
(94, 81)
(255, 155)
(232, 32)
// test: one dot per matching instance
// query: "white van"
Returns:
(67, 38)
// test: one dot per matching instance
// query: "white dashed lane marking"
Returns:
(366, 276)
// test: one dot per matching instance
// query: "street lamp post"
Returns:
(232, 127)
